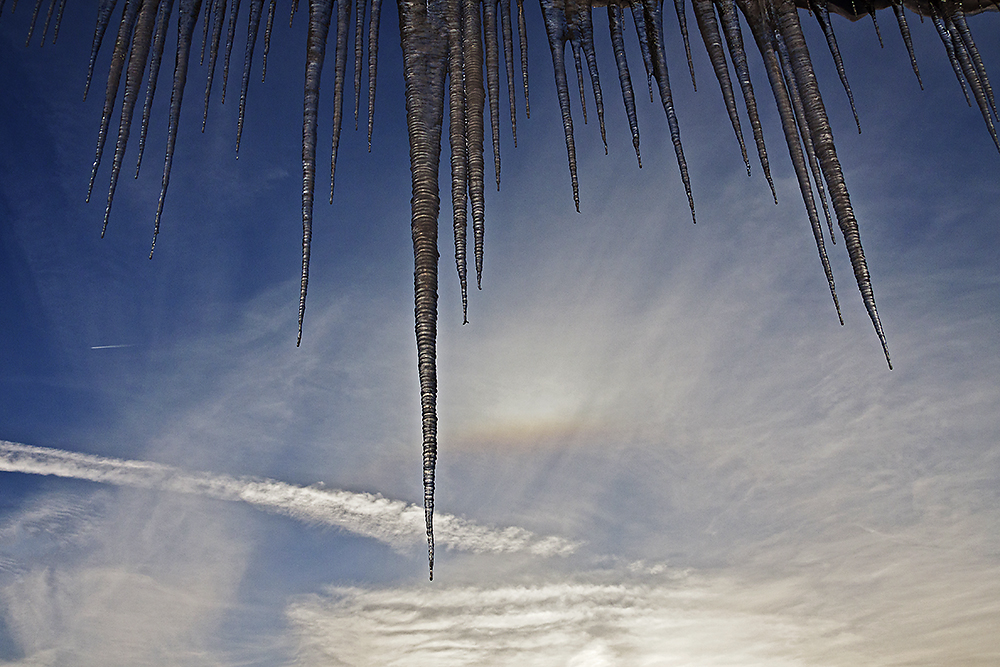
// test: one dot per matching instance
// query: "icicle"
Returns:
(359, 44)
(253, 26)
(904, 30)
(878, 33)
(682, 22)
(474, 109)
(373, 25)
(653, 11)
(104, 10)
(186, 19)
(48, 20)
(220, 13)
(822, 10)
(792, 138)
(141, 42)
(493, 78)
(704, 13)
(958, 19)
(291, 15)
(162, 22)
(819, 126)
(582, 27)
(459, 144)
(59, 16)
(267, 39)
(522, 33)
(575, 49)
(230, 38)
(508, 60)
(114, 77)
(425, 49)
(737, 53)
(555, 27)
(320, 12)
(638, 17)
(975, 83)
(949, 48)
(795, 93)
(34, 19)
(340, 73)
(209, 12)
(628, 96)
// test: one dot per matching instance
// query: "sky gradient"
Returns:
(661, 446)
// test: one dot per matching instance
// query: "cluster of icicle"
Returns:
(446, 44)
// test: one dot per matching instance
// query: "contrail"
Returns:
(394, 522)
(110, 347)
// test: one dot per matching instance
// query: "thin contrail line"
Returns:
(110, 347)
(394, 522)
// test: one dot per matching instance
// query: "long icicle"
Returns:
(474, 109)
(508, 59)
(340, 75)
(457, 136)
(230, 38)
(186, 18)
(522, 35)
(373, 25)
(555, 27)
(578, 65)
(958, 19)
(904, 30)
(114, 78)
(704, 12)
(219, 12)
(425, 50)
(581, 23)
(737, 53)
(141, 43)
(156, 58)
(653, 13)
(320, 12)
(360, 10)
(819, 127)
(682, 22)
(641, 33)
(615, 17)
(209, 12)
(949, 48)
(795, 92)
(267, 39)
(48, 20)
(493, 78)
(59, 16)
(786, 113)
(253, 27)
(31, 25)
(822, 11)
(975, 83)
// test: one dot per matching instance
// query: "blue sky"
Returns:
(658, 445)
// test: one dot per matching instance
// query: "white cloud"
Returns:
(588, 625)
(877, 606)
(149, 583)
(393, 522)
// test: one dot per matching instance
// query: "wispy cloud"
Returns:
(720, 618)
(580, 624)
(394, 522)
